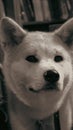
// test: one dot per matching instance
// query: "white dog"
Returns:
(38, 71)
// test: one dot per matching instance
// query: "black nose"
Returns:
(52, 76)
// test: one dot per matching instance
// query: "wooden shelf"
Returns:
(44, 22)
(41, 26)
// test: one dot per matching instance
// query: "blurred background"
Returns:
(35, 12)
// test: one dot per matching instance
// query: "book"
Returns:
(55, 9)
(28, 9)
(64, 10)
(69, 4)
(46, 10)
(17, 10)
(24, 17)
(31, 9)
(38, 10)
(2, 10)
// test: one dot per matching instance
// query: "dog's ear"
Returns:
(11, 32)
(65, 32)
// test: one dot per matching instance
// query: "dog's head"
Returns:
(38, 65)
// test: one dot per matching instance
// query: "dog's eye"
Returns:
(32, 59)
(58, 58)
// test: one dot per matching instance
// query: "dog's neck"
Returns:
(20, 113)
(21, 120)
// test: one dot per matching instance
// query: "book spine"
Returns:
(55, 9)
(2, 11)
(17, 10)
(27, 10)
(31, 9)
(24, 17)
(38, 10)
(64, 10)
(69, 4)
(46, 10)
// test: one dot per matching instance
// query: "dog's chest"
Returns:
(50, 123)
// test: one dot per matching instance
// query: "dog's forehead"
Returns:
(39, 37)
(41, 40)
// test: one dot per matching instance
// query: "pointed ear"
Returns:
(11, 32)
(65, 32)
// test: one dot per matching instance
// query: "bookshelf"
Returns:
(39, 14)
(43, 26)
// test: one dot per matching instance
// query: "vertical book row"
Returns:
(45, 10)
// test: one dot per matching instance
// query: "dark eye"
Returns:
(32, 59)
(58, 58)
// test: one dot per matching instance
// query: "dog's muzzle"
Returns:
(51, 77)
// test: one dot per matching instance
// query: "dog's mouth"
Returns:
(46, 87)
